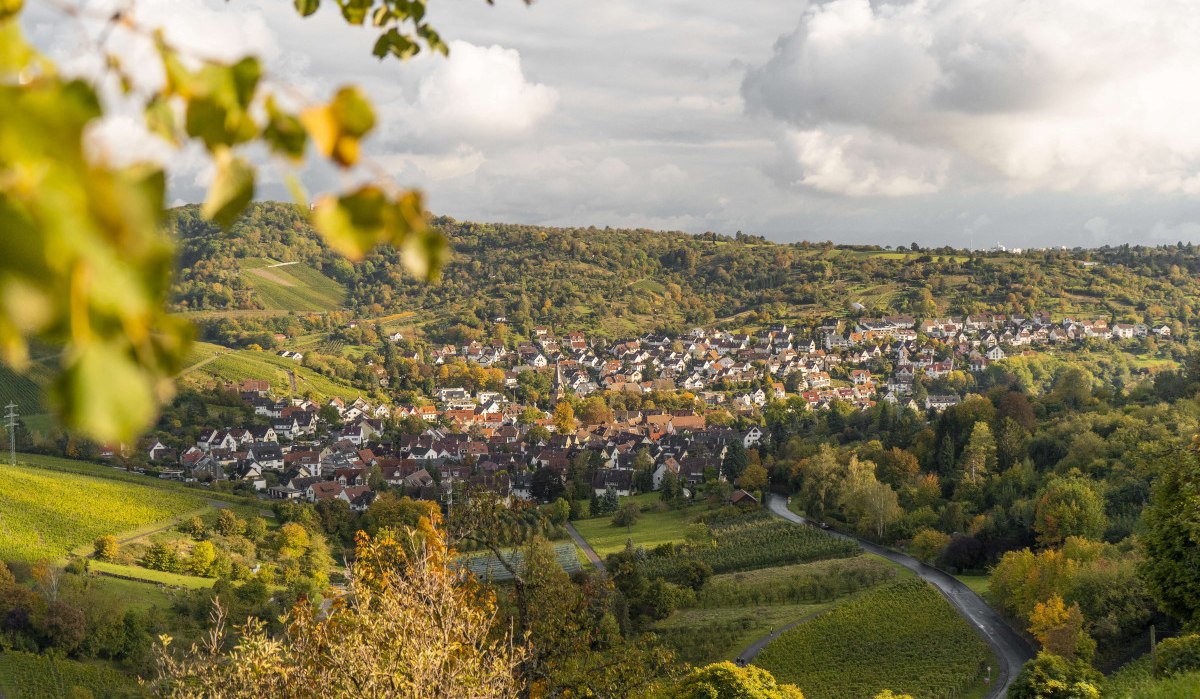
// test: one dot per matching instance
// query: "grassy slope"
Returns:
(652, 528)
(45, 514)
(238, 365)
(293, 287)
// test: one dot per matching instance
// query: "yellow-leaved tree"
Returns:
(410, 625)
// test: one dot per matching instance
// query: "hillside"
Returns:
(619, 282)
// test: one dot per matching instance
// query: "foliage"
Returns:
(728, 681)
(410, 626)
(1179, 655)
(1054, 677)
(1059, 629)
(903, 636)
(626, 515)
(1069, 507)
(106, 547)
(1172, 554)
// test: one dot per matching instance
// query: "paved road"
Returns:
(755, 648)
(1010, 648)
(587, 548)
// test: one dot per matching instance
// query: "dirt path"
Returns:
(270, 276)
(752, 651)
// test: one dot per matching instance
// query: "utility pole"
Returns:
(10, 423)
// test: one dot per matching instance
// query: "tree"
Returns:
(204, 554)
(413, 624)
(627, 515)
(669, 489)
(1059, 629)
(595, 411)
(292, 540)
(546, 485)
(979, 457)
(1171, 555)
(928, 544)
(1069, 507)
(728, 681)
(1053, 677)
(195, 528)
(228, 523)
(753, 478)
(736, 460)
(107, 547)
(564, 418)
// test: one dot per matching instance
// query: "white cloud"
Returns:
(478, 95)
(1092, 95)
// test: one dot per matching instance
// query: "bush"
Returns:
(1179, 655)
(1052, 677)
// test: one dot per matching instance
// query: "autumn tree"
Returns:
(1059, 629)
(411, 625)
(928, 544)
(107, 548)
(564, 418)
(728, 681)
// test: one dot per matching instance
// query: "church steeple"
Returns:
(560, 386)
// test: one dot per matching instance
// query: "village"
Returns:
(305, 450)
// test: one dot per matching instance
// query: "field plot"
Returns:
(652, 528)
(46, 514)
(240, 365)
(487, 567)
(29, 676)
(904, 636)
(755, 541)
(292, 287)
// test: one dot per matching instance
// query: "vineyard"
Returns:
(45, 514)
(749, 542)
(24, 390)
(293, 287)
(29, 676)
(247, 364)
(904, 636)
(488, 567)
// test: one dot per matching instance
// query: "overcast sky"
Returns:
(967, 122)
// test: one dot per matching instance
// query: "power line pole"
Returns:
(10, 423)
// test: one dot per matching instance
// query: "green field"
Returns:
(652, 528)
(239, 365)
(29, 676)
(46, 514)
(151, 576)
(903, 636)
(292, 287)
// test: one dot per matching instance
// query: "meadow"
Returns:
(903, 636)
(46, 514)
(654, 527)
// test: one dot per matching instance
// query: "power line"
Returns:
(10, 423)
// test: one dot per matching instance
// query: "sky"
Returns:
(971, 123)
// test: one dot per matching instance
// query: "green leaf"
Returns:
(160, 119)
(231, 190)
(104, 392)
(353, 223)
(307, 7)
(284, 132)
(353, 111)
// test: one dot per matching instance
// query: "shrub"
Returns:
(1179, 655)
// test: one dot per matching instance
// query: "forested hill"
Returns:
(616, 282)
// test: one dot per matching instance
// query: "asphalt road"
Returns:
(1010, 648)
(587, 548)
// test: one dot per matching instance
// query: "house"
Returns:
(940, 403)
(741, 498)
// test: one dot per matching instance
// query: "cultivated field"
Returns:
(46, 514)
(904, 636)
(29, 676)
(292, 287)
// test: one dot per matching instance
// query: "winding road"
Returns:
(1010, 648)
